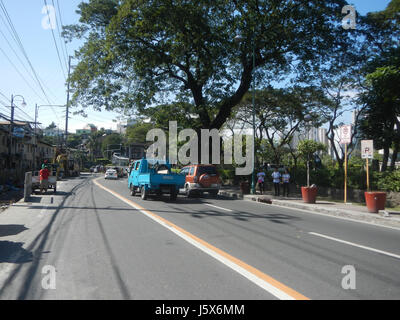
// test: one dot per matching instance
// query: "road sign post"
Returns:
(367, 152)
(345, 138)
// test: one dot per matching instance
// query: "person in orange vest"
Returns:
(44, 179)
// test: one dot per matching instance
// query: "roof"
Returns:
(15, 123)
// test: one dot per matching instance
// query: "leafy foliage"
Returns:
(142, 53)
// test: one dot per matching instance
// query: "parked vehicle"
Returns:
(52, 180)
(119, 170)
(111, 174)
(201, 178)
(148, 176)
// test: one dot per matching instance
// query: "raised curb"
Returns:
(377, 219)
(232, 195)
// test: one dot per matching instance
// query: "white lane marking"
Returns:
(210, 205)
(356, 245)
(242, 271)
(327, 215)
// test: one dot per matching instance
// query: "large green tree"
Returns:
(142, 53)
(381, 116)
(279, 113)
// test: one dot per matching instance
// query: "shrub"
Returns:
(387, 181)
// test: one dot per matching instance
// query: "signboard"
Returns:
(367, 149)
(345, 134)
(18, 132)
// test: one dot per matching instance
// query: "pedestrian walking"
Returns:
(286, 183)
(260, 181)
(44, 179)
(276, 179)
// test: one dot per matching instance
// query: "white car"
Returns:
(111, 174)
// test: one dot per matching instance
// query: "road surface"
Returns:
(100, 243)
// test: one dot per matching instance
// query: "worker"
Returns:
(44, 179)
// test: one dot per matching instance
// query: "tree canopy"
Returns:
(138, 54)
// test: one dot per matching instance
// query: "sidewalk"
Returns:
(349, 210)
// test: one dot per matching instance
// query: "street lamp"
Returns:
(239, 39)
(23, 104)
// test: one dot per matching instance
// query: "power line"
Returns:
(19, 73)
(55, 43)
(17, 39)
(59, 26)
(18, 57)
(23, 112)
(5, 97)
(19, 43)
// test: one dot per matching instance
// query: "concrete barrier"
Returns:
(27, 186)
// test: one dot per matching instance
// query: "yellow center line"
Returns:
(265, 281)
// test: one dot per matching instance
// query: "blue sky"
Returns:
(27, 19)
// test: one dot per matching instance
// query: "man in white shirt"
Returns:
(276, 179)
(286, 181)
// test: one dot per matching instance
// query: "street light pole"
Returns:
(11, 132)
(67, 111)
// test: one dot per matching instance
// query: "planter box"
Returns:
(375, 201)
(309, 194)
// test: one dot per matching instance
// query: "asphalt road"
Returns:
(105, 244)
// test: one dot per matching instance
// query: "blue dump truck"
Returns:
(154, 177)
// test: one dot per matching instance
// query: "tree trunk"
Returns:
(385, 159)
(396, 150)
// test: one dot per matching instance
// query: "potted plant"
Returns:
(375, 201)
(306, 149)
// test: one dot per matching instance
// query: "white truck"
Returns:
(52, 181)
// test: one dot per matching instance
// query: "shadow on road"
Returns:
(238, 214)
(13, 252)
(11, 229)
(35, 248)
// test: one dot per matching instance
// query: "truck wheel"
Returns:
(173, 194)
(188, 192)
(144, 193)
(214, 193)
(132, 190)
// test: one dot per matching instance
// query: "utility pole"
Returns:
(67, 109)
(35, 145)
(11, 132)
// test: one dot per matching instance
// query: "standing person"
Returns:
(261, 176)
(276, 179)
(286, 181)
(44, 179)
